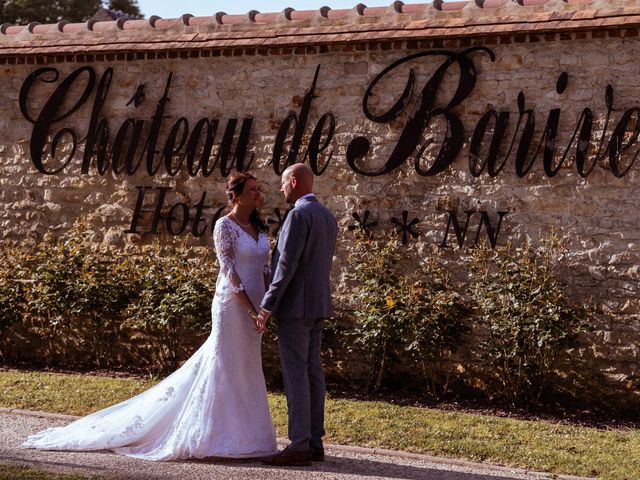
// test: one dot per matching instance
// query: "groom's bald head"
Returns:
(296, 181)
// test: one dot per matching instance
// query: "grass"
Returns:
(64, 393)
(18, 472)
(536, 445)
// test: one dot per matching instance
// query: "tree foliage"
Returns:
(46, 11)
(128, 7)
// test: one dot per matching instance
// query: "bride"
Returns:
(216, 403)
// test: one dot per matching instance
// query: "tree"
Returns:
(128, 7)
(46, 11)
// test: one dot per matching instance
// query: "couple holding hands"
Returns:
(216, 405)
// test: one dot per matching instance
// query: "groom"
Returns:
(300, 298)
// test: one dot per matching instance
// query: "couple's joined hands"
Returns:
(260, 319)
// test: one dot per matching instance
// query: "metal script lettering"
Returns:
(136, 141)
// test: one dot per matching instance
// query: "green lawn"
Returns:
(536, 445)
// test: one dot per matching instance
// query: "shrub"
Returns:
(404, 307)
(102, 292)
(528, 314)
(12, 301)
(437, 324)
(78, 294)
(175, 298)
(50, 272)
(78, 300)
(379, 329)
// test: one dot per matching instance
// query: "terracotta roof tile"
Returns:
(414, 8)
(583, 14)
(162, 23)
(296, 28)
(13, 30)
(539, 17)
(267, 17)
(337, 13)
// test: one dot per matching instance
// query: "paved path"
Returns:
(342, 463)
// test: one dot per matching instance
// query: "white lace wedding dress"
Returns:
(216, 403)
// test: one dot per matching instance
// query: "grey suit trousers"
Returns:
(300, 342)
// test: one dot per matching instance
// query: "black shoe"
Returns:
(289, 457)
(317, 454)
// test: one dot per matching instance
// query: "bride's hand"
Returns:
(259, 321)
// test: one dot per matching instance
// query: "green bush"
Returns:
(49, 273)
(404, 309)
(340, 365)
(177, 285)
(437, 324)
(529, 316)
(81, 305)
(379, 330)
(12, 300)
(77, 296)
(106, 285)
(399, 318)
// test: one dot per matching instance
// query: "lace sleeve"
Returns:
(224, 239)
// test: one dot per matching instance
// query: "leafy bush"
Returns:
(404, 307)
(177, 285)
(75, 301)
(50, 272)
(102, 292)
(11, 291)
(67, 302)
(340, 364)
(379, 329)
(528, 314)
(437, 324)
(77, 295)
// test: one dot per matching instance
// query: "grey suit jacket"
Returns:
(301, 263)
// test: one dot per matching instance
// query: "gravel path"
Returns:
(342, 463)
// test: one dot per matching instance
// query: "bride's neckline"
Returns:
(235, 217)
(231, 218)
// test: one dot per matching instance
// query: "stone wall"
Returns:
(597, 214)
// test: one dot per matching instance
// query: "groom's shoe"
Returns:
(289, 457)
(317, 454)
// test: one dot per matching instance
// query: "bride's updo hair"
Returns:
(235, 186)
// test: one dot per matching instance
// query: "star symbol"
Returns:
(363, 225)
(406, 228)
